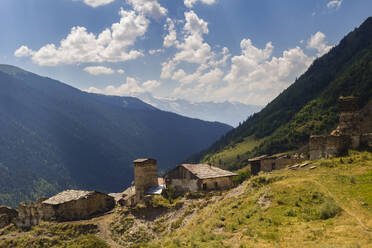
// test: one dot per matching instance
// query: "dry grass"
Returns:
(326, 207)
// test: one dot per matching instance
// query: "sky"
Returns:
(198, 50)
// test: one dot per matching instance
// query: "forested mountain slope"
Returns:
(308, 106)
(53, 137)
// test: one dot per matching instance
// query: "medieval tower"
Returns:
(145, 176)
(349, 122)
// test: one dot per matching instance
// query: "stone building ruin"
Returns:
(275, 162)
(349, 133)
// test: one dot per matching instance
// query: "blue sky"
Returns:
(199, 50)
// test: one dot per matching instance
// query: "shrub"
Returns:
(242, 176)
(329, 209)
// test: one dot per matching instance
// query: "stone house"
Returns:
(65, 206)
(77, 205)
(198, 177)
(275, 162)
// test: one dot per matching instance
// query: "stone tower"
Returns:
(145, 176)
(349, 123)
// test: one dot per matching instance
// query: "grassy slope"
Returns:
(330, 206)
(232, 156)
(53, 236)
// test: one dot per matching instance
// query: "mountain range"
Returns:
(232, 113)
(54, 137)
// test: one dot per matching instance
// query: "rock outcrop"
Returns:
(7, 215)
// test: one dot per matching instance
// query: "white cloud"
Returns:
(192, 49)
(171, 38)
(111, 45)
(120, 71)
(155, 51)
(23, 51)
(190, 3)
(211, 77)
(98, 70)
(255, 76)
(96, 3)
(150, 85)
(149, 8)
(317, 41)
(130, 88)
(334, 4)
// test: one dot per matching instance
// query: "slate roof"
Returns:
(205, 171)
(257, 158)
(143, 160)
(68, 195)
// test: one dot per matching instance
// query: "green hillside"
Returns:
(308, 106)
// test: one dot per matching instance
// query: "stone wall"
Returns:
(279, 163)
(366, 118)
(29, 214)
(324, 146)
(182, 186)
(317, 146)
(366, 140)
(218, 183)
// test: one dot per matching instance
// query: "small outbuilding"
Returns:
(275, 162)
(198, 177)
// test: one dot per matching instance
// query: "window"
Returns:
(215, 185)
(204, 186)
(273, 166)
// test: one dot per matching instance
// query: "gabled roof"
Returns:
(69, 195)
(205, 171)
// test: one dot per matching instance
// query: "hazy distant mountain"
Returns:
(231, 113)
(53, 137)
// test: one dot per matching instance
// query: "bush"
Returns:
(242, 176)
(329, 209)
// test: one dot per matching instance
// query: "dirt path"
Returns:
(103, 224)
(361, 224)
(104, 230)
